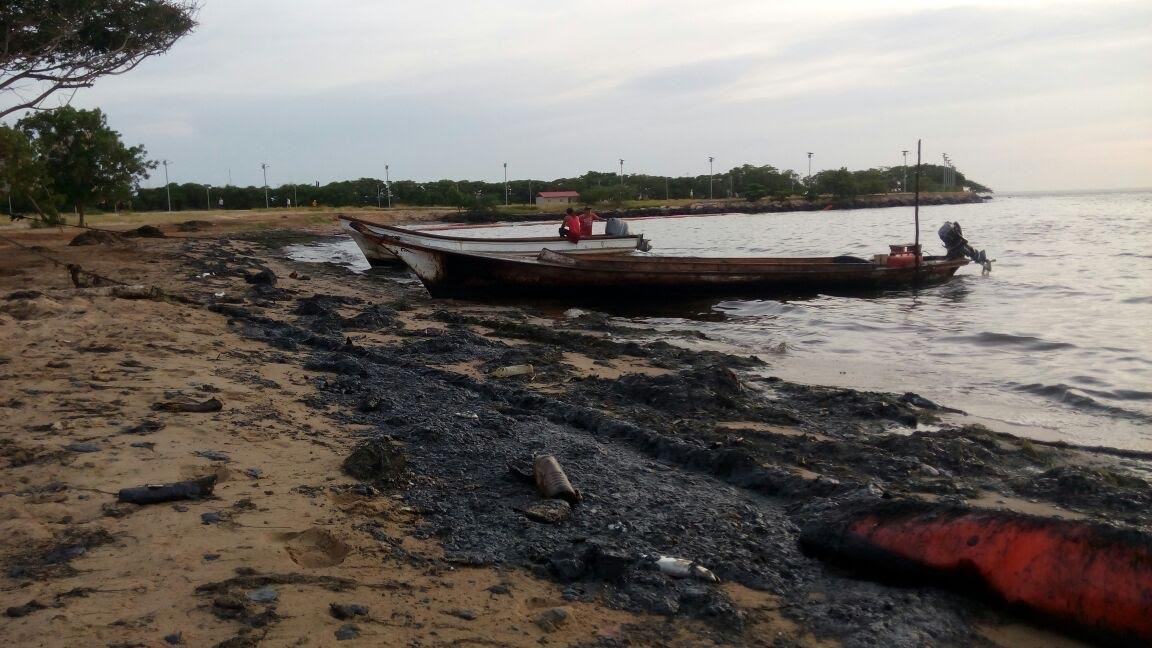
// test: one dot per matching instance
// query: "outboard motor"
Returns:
(953, 237)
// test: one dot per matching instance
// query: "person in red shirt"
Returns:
(586, 220)
(572, 227)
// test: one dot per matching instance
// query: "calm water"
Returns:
(1055, 343)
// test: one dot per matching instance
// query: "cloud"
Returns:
(451, 89)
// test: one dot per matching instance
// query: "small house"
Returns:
(557, 197)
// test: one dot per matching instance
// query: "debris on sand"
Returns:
(380, 461)
(211, 405)
(551, 481)
(186, 490)
(98, 237)
(145, 231)
(513, 370)
(345, 611)
(193, 225)
(683, 568)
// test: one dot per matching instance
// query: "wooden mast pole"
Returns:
(916, 209)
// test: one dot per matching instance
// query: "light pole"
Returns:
(167, 188)
(710, 158)
(621, 171)
(388, 185)
(665, 188)
(809, 181)
(945, 179)
(904, 185)
(208, 191)
(264, 168)
(505, 184)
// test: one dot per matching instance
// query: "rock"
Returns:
(467, 615)
(549, 512)
(24, 610)
(347, 631)
(344, 611)
(83, 447)
(552, 619)
(377, 460)
(263, 595)
(264, 277)
(174, 639)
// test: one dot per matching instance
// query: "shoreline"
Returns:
(442, 542)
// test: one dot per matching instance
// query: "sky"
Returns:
(1021, 96)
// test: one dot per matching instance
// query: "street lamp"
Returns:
(710, 158)
(388, 185)
(167, 188)
(208, 191)
(904, 185)
(264, 168)
(505, 184)
(809, 182)
(621, 171)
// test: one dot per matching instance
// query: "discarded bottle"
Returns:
(513, 370)
(682, 568)
(551, 482)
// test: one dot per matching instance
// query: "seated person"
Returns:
(571, 227)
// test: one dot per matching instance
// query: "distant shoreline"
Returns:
(735, 207)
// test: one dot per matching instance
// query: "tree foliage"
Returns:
(23, 178)
(746, 182)
(52, 45)
(84, 160)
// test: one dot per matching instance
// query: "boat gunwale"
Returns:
(469, 239)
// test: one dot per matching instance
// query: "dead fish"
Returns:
(682, 568)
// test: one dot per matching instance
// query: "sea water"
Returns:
(1054, 343)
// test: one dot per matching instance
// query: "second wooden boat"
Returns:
(366, 235)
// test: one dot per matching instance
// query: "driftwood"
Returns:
(211, 405)
(154, 494)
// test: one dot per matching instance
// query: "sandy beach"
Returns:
(370, 468)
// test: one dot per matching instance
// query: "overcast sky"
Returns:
(1020, 95)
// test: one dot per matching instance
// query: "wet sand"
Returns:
(446, 546)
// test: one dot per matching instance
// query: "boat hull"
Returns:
(365, 235)
(452, 274)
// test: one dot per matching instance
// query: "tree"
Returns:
(20, 171)
(839, 183)
(52, 45)
(85, 160)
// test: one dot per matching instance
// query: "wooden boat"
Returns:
(366, 233)
(451, 273)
